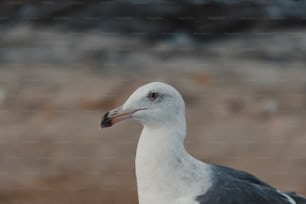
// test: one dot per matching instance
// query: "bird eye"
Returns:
(152, 96)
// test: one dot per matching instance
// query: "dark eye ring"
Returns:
(152, 96)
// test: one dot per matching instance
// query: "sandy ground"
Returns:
(53, 150)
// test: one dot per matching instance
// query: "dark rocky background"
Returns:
(159, 18)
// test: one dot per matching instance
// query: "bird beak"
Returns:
(114, 116)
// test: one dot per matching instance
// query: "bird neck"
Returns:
(161, 156)
(161, 159)
(161, 146)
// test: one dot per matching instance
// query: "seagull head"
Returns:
(153, 104)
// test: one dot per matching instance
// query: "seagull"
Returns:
(167, 174)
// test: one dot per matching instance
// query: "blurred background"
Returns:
(240, 66)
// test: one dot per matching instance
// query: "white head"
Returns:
(153, 104)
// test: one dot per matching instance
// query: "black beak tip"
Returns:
(106, 121)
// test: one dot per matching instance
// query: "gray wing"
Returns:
(232, 186)
(297, 198)
(223, 171)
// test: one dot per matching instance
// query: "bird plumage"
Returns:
(167, 174)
